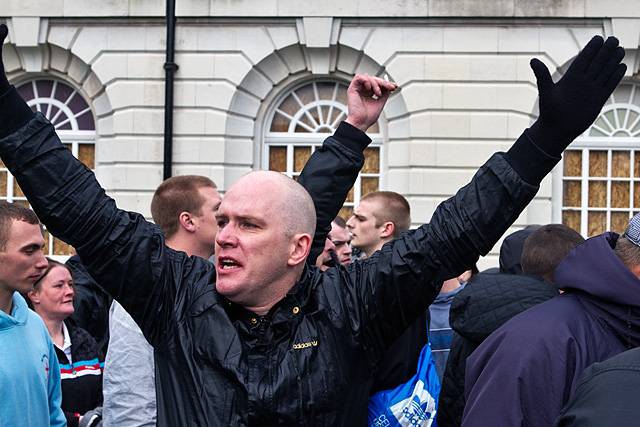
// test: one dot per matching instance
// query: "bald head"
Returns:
(288, 198)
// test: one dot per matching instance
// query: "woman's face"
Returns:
(54, 296)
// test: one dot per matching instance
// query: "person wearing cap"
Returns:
(525, 372)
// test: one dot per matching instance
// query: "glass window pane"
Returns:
(571, 194)
(289, 106)
(22, 202)
(44, 88)
(619, 221)
(597, 163)
(325, 90)
(571, 219)
(632, 118)
(337, 115)
(597, 194)
(596, 132)
(371, 160)
(621, 164)
(85, 121)
(3, 184)
(610, 115)
(368, 185)
(341, 96)
(636, 164)
(300, 129)
(314, 113)
(278, 159)
(300, 157)
(636, 194)
(279, 123)
(306, 94)
(87, 155)
(26, 91)
(597, 223)
(620, 194)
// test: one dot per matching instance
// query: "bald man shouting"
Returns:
(261, 338)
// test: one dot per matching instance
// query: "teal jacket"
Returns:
(29, 372)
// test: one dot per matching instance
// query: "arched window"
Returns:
(73, 120)
(298, 124)
(601, 169)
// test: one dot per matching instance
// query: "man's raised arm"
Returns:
(121, 250)
(333, 168)
(400, 281)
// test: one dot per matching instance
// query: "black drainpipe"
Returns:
(170, 68)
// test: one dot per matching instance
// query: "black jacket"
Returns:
(400, 361)
(485, 304)
(91, 304)
(81, 381)
(309, 360)
(606, 394)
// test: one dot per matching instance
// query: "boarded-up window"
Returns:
(601, 169)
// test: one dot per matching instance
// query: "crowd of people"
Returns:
(264, 307)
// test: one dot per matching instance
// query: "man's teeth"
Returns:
(227, 264)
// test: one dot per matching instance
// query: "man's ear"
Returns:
(34, 297)
(299, 249)
(187, 222)
(388, 228)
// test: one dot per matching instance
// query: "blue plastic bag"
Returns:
(413, 403)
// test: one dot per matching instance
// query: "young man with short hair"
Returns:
(29, 372)
(184, 207)
(380, 217)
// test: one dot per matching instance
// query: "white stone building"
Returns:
(260, 82)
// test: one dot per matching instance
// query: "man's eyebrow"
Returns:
(250, 218)
(32, 246)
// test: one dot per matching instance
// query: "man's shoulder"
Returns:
(553, 318)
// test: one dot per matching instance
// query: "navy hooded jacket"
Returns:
(524, 373)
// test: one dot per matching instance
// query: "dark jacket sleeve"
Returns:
(329, 175)
(121, 250)
(387, 291)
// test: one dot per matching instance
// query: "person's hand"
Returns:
(4, 83)
(569, 107)
(366, 97)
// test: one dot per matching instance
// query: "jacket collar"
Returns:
(19, 313)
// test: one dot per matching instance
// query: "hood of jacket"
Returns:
(607, 288)
(19, 313)
(511, 250)
(491, 299)
(595, 269)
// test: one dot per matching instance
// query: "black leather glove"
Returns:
(569, 107)
(4, 83)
